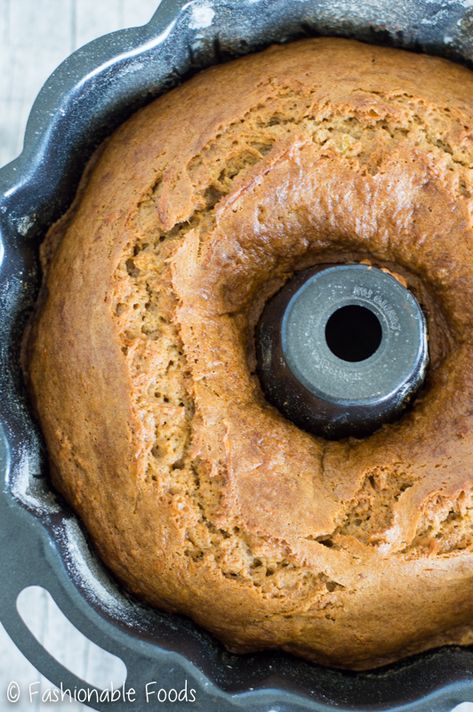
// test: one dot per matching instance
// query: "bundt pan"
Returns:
(41, 541)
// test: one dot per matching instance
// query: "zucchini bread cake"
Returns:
(140, 358)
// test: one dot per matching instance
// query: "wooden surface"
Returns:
(35, 36)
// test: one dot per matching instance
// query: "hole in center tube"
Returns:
(353, 333)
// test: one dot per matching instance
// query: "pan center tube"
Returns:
(342, 349)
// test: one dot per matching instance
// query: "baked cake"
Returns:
(199, 495)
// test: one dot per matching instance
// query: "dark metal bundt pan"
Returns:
(41, 541)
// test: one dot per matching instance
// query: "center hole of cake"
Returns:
(353, 333)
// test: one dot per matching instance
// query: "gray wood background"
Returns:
(35, 36)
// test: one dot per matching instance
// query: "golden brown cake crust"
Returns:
(200, 496)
